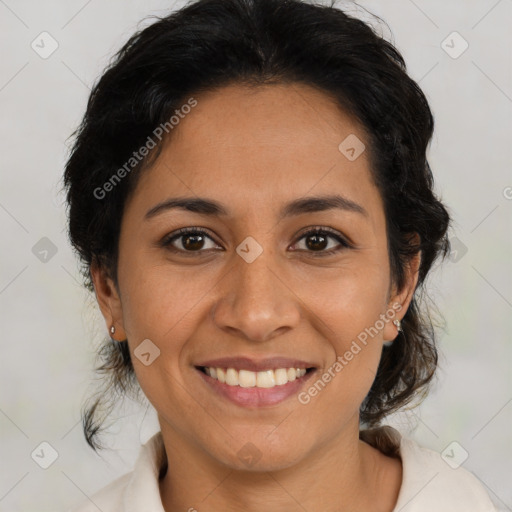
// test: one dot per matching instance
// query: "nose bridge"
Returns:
(254, 301)
(257, 278)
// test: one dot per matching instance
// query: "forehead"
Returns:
(265, 145)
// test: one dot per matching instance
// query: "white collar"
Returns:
(428, 482)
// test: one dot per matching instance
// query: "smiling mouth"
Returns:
(249, 379)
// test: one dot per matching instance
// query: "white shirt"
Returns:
(428, 484)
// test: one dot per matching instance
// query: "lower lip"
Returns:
(256, 397)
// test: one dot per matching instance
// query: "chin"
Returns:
(259, 454)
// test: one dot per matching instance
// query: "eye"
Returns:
(195, 240)
(316, 240)
(191, 240)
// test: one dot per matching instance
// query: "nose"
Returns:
(255, 301)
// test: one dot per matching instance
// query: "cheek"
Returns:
(162, 306)
(346, 299)
(347, 310)
(159, 301)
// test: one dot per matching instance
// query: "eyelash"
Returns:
(316, 230)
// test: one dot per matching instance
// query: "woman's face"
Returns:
(256, 285)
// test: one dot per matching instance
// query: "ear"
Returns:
(399, 300)
(108, 300)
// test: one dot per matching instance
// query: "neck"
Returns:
(343, 474)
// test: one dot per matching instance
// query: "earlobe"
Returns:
(400, 301)
(109, 301)
(398, 325)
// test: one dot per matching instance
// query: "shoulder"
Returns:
(429, 479)
(108, 499)
(134, 491)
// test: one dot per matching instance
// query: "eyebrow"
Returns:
(205, 206)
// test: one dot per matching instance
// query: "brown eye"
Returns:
(189, 240)
(319, 239)
(316, 242)
(192, 242)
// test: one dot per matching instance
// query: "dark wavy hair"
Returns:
(209, 44)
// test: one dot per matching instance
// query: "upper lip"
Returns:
(256, 365)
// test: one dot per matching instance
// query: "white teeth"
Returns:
(248, 379)
(232, 377)
(221, 375)
(281, 376)
(266, 379)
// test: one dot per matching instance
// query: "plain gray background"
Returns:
(50, 326)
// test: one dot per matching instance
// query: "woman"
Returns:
(250, 197)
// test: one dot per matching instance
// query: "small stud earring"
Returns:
(398, 325)
(112, 330)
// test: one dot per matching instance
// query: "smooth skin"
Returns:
(254, 151)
